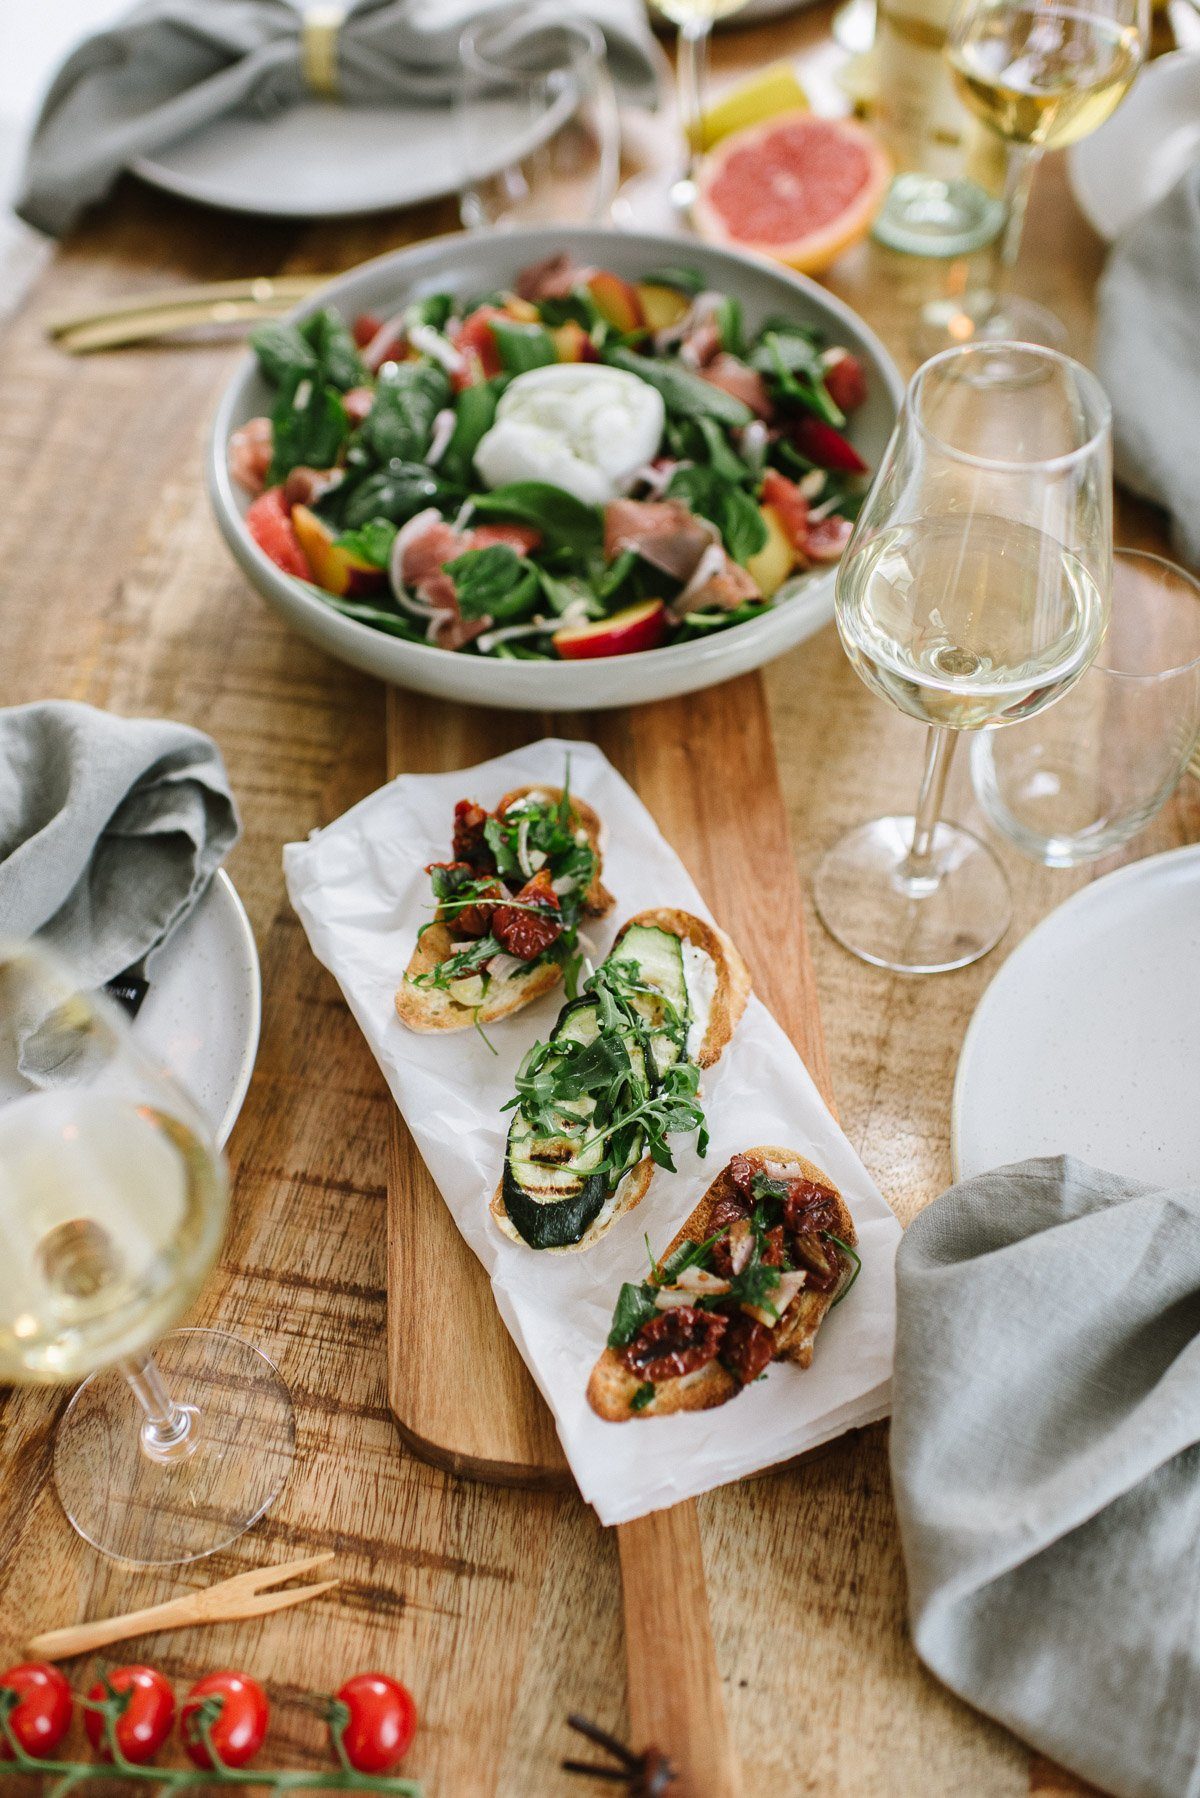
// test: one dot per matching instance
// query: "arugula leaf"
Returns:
(467, 960)
(635, 1306)
(755, 1285)
(688, 1254)
(728, 320)
(854, 1256)
(790, 359)
(494, 583)
(408, 397)
(684, 393)
(523, 347)
(734, 511)
(643, 1396)
(475, 413)
(371, 542)
(564, 521)
(308, 427)
(685, 280)
(393, 624)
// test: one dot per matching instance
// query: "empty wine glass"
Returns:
(973, 592)
(113, 1200)
(539, 130)
(1085, 777)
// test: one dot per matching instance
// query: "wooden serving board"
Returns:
(705, 767)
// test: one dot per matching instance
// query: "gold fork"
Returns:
(138, 317)
(244, 1595)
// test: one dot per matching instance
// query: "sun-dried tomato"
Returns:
(528, 933)
(741, 1172)
(675, 1342)
(746, 1347)
(809, 1208)
(820, 1258)
(470, 844)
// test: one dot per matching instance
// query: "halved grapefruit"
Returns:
(799, 188)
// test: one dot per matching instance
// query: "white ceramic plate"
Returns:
(1088, 1039)
(202, 1013)
(322, 160)
(1153, 138)
(469, 264)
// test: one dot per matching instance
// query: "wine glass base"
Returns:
(151, 1513)
(981, 318)
(659, 200)
(866, 900)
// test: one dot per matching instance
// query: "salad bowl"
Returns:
(468, 265)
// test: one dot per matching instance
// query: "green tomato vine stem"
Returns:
(170, 1780)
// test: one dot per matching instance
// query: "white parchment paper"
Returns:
(361, 892)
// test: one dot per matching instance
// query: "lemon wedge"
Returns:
(773, 90)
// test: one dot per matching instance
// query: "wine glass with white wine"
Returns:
(1041, 74)
(113, 1202)
(974, 592)
(643, 202)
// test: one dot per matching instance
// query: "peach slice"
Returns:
(772, 564)
(616, 301)
(336, 569)
(638, 627)
(661, 306)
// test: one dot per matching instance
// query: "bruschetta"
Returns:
(620, 1073)
(508, 908)
(747, 1281)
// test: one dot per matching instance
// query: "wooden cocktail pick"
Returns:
(244, 1595)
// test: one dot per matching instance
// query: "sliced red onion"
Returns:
(655, 480)
(431, 343)
(536, 627)
(566, 883)
(503, 967)
(818, 512)
(443, 431)
(463, 515)
(711, 563)
(755, 438)
(813, 483)
(384, 339)
(523, 848)
(404, 536)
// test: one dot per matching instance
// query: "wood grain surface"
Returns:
(500, 1607)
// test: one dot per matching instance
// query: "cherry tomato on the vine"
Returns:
(381, 1724)
(144, 1724)
(238, 1731)
(43, 1716)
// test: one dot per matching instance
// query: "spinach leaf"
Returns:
(685, 280)
(576, 307)
(635, 1307)
(397, 492)
(734, 511)
(394, 624)
(475, 414)
(685, 394)
(494, 583)
(371, 542)
(408, 397)
(308, 427)
(523, 347)
(433, 310)
(319, 346)
(728, 319)
(564, 521)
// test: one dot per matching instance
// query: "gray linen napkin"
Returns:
(1148, 357)
(172, 66)
(110, 831)
(1046, 1408)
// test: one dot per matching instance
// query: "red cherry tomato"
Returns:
(240, 1728)
(144, 1724)
(382, 1722)
(43, 1716)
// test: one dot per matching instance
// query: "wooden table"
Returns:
(501, 1608)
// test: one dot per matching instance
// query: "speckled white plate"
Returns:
(1088, 1039)
(201, 1015)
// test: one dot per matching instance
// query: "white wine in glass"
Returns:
(1040, 76)
(113, 1203)
(974, 592)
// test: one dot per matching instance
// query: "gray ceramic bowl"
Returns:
(467, 265)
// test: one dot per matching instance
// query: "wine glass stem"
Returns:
(691, 66)
(168, 1430)
(1022, 165)
(919, 867)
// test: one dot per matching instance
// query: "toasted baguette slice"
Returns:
(612, 1386)
(428, 1008)
(728, 1004)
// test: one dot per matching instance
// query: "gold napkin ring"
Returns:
(318, 48)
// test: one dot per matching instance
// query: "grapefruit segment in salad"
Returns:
(580, 466)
